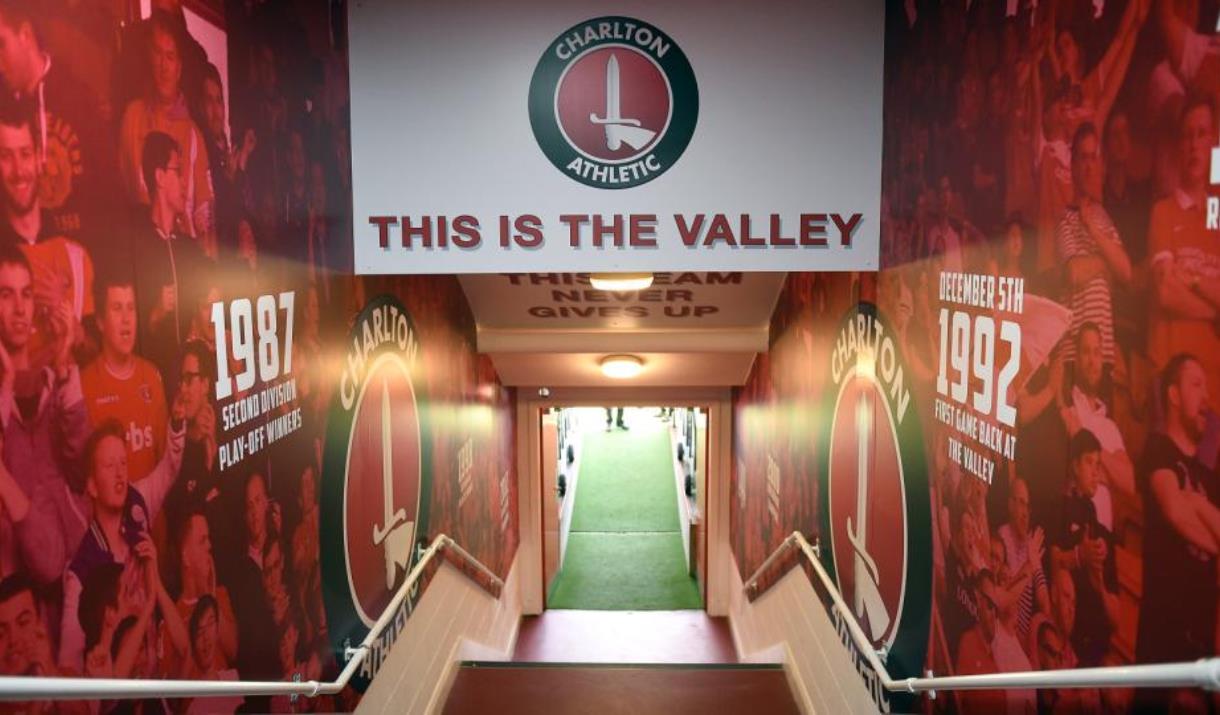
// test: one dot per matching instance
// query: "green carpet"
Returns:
(626, 482)
(624, 572)
(624, 550)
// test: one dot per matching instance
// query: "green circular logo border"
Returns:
(678, 72)
(344, 625)
(907, 656)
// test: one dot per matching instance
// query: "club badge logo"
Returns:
(613, 102)
(376, 487)
(876, 523)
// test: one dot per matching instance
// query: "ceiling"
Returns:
(690, 329)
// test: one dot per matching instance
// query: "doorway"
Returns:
(623, 523)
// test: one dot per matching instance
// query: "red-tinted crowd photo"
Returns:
(156, 160)
(1068, 143)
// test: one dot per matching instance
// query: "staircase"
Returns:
(629, 662)
(614, 689)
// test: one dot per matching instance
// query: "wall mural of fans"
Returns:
(1049, 279)
(175, 281)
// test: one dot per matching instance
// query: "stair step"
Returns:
(619, 689)
(637, 666)
(625, 637)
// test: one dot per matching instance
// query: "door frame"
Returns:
(530, 404)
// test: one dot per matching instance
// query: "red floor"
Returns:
(620, 691)
(565, 636)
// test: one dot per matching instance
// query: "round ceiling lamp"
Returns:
(619, 282)
(621, 367)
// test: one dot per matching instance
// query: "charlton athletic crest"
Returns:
(876, 520)
(375, 489)
(613, 102)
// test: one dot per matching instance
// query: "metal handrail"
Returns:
(497, 583)
(53, 688)
(1203, 673)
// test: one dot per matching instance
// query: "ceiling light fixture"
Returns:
(620, 281)
(621, 367)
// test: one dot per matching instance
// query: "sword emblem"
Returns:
(619, 130)
(394, 536)
(867, 602)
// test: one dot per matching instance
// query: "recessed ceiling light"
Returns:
(621, 367)
(620, 281)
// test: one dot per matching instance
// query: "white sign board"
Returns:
(561, 136)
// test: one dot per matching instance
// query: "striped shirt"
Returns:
(1090, 303)
(1017, 554)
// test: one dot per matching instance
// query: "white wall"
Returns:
(680, 483)
(788, 624)
(568, 503)
(455, 620)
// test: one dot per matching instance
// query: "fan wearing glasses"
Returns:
(197, 487)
